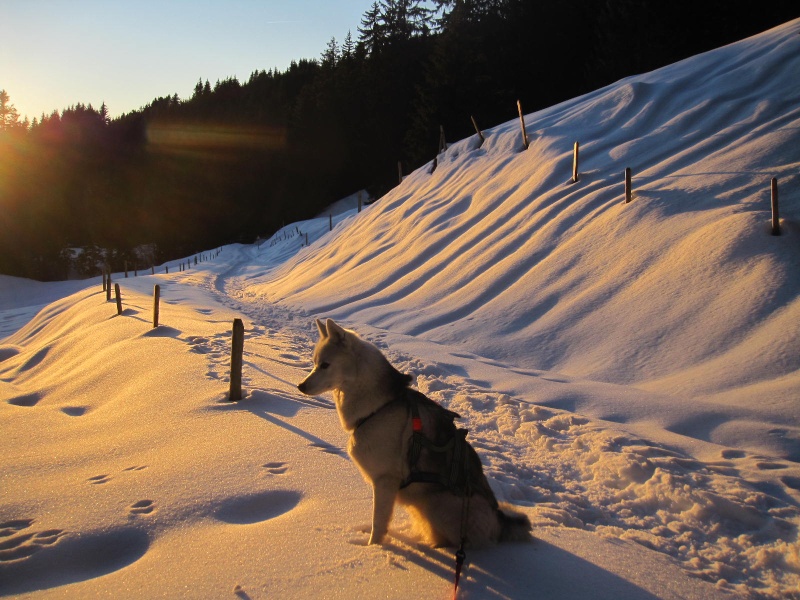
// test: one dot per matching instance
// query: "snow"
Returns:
(629, 373)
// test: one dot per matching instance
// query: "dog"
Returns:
(408, 448)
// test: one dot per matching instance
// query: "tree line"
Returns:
(239, 159)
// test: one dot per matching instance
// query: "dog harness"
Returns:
(456, 477)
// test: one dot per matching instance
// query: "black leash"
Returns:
(460, 554)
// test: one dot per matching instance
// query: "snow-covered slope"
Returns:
(682, 291)
(628, 373)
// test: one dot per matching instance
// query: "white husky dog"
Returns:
(407, 447)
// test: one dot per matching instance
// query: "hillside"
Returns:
(683, 291)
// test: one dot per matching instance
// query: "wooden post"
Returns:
(330, 222)
(442, 141)
(522, 123)
(156, 298)
(359, 210)
(126, 269)
(575, 162)
(108, 288)
(104, 280)
(628, 191)
(435, 164)
(776, 219)
(306, 238)
(237, 350)
(119, 298)
(478, 131)
(167, 269)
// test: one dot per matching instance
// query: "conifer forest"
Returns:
(238, 159)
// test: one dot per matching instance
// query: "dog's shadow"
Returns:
(515, 570)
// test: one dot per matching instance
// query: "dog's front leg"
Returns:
(384, 492)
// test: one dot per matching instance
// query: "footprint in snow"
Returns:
(22, 545)
(142, 507)
(276, 468)
(99, 479)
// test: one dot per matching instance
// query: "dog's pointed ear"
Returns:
(336, 333)
(323, 333)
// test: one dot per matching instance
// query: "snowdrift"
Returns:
(681, 291)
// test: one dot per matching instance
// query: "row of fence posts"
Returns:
(237, 342)
(198, 258)
(106, 275)
(118, 297)
(628, 174)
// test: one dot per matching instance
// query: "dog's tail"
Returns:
(514, 526)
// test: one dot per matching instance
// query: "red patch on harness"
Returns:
(416, 423)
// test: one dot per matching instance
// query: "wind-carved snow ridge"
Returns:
(577, 472)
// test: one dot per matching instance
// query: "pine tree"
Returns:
(9, 117)
(330, 57)
(348, 46)
(371, 34)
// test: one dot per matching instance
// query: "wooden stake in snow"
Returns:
(359, 210)
(330, 222)
(108, 287)
(522, 123)
(237, 351)
(119, 298)
(575, 162)
(442, 142)
(156, 299)
(776, 218)
(434, 165)
(477, 130)
(628, 192)
(104, 280)
(126, 269)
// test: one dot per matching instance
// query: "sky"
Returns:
(57, 53)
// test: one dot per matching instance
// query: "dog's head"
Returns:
(334, 360)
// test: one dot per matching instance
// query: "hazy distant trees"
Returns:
(9, 117)
(240, 158)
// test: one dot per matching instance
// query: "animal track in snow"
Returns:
(105, 478)
(142, 507)
(22, 545)
(99, 479)
(276, 468)
(136, 468)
